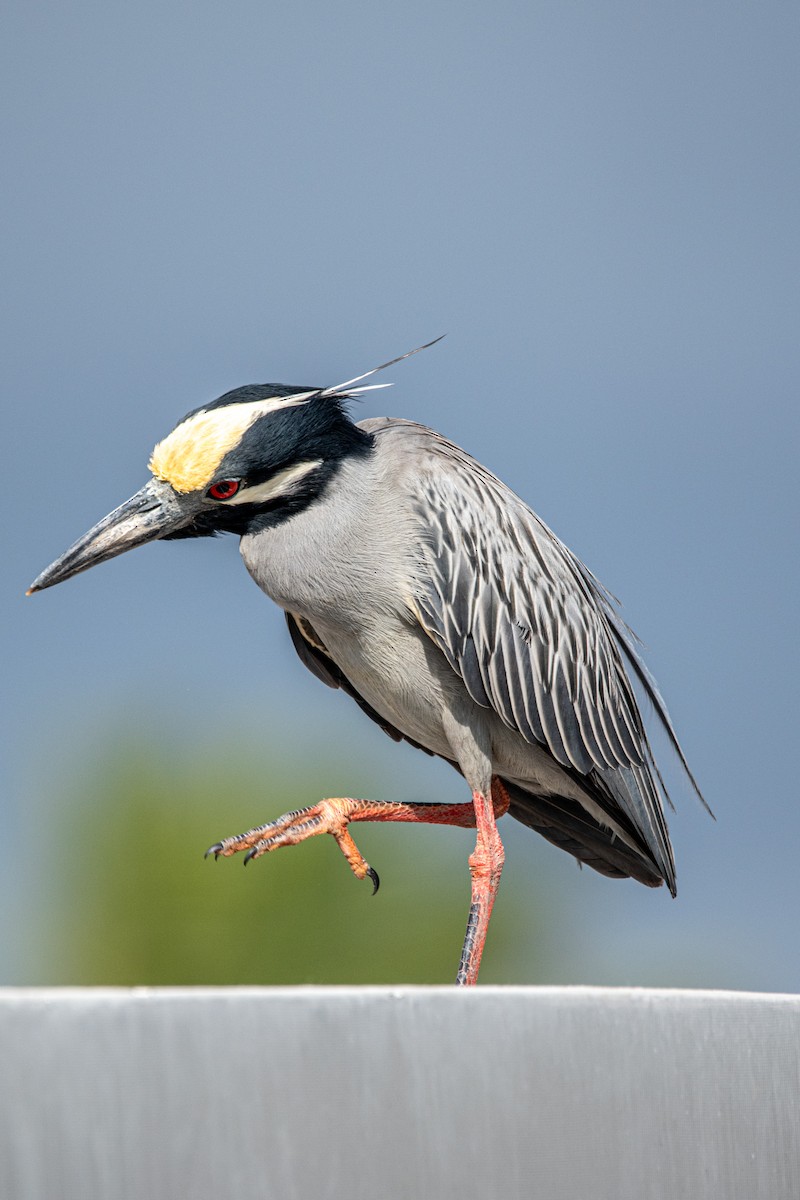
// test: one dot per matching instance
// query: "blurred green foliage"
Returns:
(134, 901)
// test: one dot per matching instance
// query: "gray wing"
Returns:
(536, 638)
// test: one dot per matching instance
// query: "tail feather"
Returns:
(567, 825)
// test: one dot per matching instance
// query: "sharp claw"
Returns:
(250, 854)
(373, 875)
(216, 850)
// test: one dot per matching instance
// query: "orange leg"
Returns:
(485, 866)
(334, 815)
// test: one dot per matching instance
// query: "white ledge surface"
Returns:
(144, 1094)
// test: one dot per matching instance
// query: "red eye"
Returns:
(223, 489)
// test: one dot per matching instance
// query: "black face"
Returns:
(317, 430)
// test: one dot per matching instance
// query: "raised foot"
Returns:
(329, 816)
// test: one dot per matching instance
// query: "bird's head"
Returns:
(251, 458)
(255, 455)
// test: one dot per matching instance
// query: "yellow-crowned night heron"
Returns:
(417, 582)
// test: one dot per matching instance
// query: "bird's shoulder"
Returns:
(478, 530)
(449, 477)
(423, 462)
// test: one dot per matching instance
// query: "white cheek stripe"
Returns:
(275, 486)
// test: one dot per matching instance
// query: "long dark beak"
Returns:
(153, 512)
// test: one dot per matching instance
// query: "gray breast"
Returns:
(347, 564)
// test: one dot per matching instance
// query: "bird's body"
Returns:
(382, 541)
(419, 583)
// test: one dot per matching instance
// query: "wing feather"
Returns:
(504, 603)
(535, 636)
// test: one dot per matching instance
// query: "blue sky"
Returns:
(598, 204)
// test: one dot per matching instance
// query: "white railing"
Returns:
(401, 1093)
